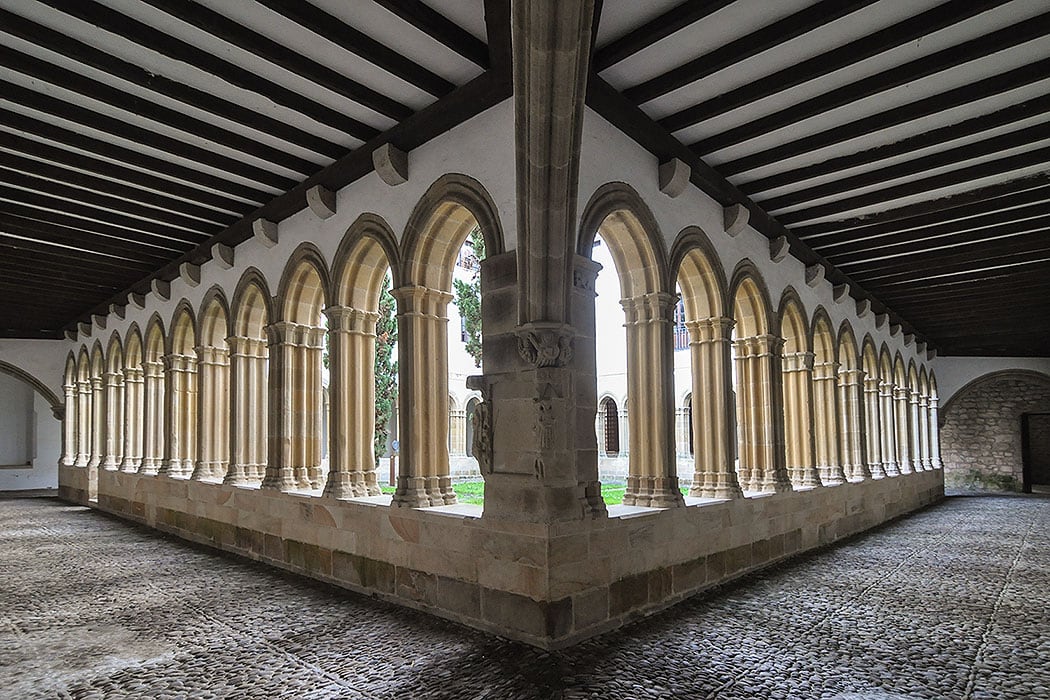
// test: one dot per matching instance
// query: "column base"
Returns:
(856, 473)
(938, 464)
(917, 465)
(805, 477)
(927, 465)
(875, 470)
(715, 485)
(130, 466)
(773, 484)
(891, 469)
(110, 465)
(238, 475)
(212, 472)
(833, 475)
(81, 462)
(653, 492)
(280, 479)
(423, 492)
(905, 467)
(353, 484)
(315, 476)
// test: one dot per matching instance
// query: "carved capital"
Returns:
(546, 345)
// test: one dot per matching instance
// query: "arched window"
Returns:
(249, 381)
(155, 438)
(213, 381)
(826, 402)
(610, 427)
(872, 410)
(180, 366)
(797, 369)
(134, 402)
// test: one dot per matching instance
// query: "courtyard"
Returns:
(950, 602)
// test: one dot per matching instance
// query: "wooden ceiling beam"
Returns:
(13, 250)
(971, 256)
(78, 222)
(745, 47)
(932, 183)
(146, 137)
(935, 215)
(439, 28)
(101, 60)
(913, 111)
(140, 33)
(1024, 264)
(899, 34)
(678, 17)
(946, 59)
(58, 235)
(360, 44)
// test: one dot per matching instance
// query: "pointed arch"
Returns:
(213, 318)
(183, 336)
(699, 272)
(873, 416)
(794, 326)
(848, 352)
(303, 291)
(69, 414)
(113, 386)
(134, 399)
(851, 405)
(213, 382)
(252, 307)
(823, 337)
(367, 253)
(250, 315)
(751, 301)
(83, 418)
(797, 391)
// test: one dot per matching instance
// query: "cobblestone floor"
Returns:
(953, 602)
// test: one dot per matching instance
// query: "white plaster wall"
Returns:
(953, 373)
(28, 421)
(44, 359)
(608, 155)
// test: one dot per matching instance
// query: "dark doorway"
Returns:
(1035, 452)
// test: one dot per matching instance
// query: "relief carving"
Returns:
(545, 346)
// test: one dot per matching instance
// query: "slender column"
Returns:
(761, 436)
(214, 400)
(351, 386)
(154, 443)
(312, 352)
(652, 478)
(924, 433)
(888, 422)
(797, 368)
(114, 421)
(244, 431)
(180, 415)
(872, 431)
(935, 434)
(851, 430)
(826, 426)
(98, 422)
(916, 440)
(709, 353)
(280, 472)
(83, 423)
(423, 478)
(133, 410)
(69, 424)
(900, 401)
(259, 416)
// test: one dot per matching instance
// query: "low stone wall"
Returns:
(546, 585)
(77, 484)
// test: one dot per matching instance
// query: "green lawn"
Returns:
(474, 492)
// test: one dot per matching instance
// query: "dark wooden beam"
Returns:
(162, 42)
(66, 175)
(913, 111)
(912, 71)
(1024, 265)
(225, 188)
(737, 50)
(907, 168)
(935, 137)
(293, 61)
(921, 185)
(1000, 286)
(975, 305)
(83, 53)
(81, 255)
(360, 44)
(28, 228)
(1004, 195)
(907, 240)
(41, 334)
(970, 256)
(497, 30)
(678, 17)
(77, 224)
(61, 193)
(146, 137)
(439, 28)
(891, 37)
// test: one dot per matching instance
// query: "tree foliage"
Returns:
(385, 367)
(468, 299)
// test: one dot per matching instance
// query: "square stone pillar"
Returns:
(351, 371)
(423, 478)
(652, 478)
(797, 372)
(710, 353)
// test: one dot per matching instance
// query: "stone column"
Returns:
(888, 423)
(246, 438)
(851, 431)
(114, 421)
(133, 409)
(312, 352)
(903, 431)
(83, 423)
(761, 435)
(213, 365)
(280, 472)
(924, 433)
(351, 384)
(154, 444)
(69, 425)
(710, 355)
(98, 422)
(872, 431)
(935, 434)
(913, 421)
(652, 478)
(797, 369)
(180, 415)
(423, 478)
(826, 423)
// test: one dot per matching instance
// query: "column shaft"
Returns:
(712, 409)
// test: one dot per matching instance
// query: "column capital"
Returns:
(707, 330)
(546, 344)
(797, 362)
(419, 299)
(651, 306)
(133, 374)
(176, 362)
(346, 319)
(759, 345)
(212, 355)
(244, 346)
(825, 371)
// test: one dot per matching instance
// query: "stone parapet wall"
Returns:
(549, 585)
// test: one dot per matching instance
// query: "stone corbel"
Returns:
(161, 289)
(84, 328)
(321, 201)
(814, 275)
(222, 255)
(779, 248)
(190, 274)
(881, 320)
(99, 320)
(545, 344)
(840, 293)
(735, 218)
(137, 300)
(117, 310)
(863, 307)
(674, 177)
(265, 232)
(391, 164)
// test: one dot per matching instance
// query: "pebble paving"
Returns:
(951, 602)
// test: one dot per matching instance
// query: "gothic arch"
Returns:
(57, 406)
(252, 307)
(182, 337)
(365, 255)
(848, 353)
(696, 267)
(991, 377)
(303, 291)
(794, 326)
(212, 307)
(752, 309)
